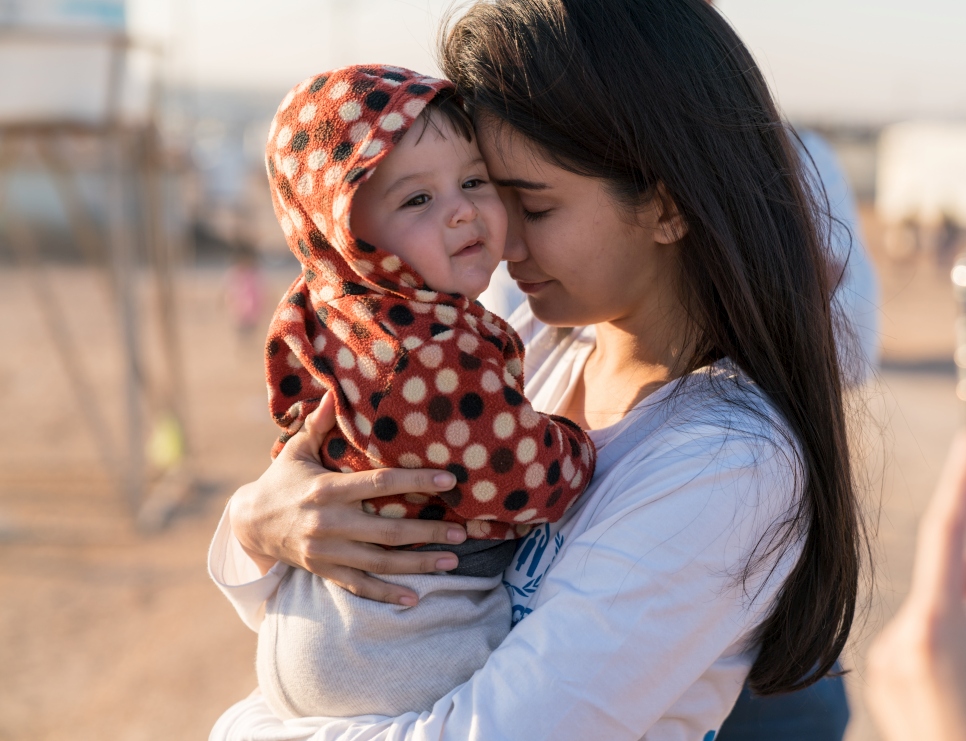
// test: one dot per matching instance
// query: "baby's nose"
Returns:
(463, 210)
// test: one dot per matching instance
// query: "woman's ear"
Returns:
(669, 226)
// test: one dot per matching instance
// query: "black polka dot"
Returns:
(401, 315)
(460, 472)
(385, 429)
(547, 437)
(468, 362)
(318, 83)
(271, 166)
(285, 188)
(553, 473)
(304, 248)
(364, 246)
(336, 448)
(318, 241)
(375, 398)
(570, 423)
(297, 299)
(432, 512)
(501, 460)
(363, 86)
(377, 100)
(440, 408)
(402, 363)
(323, 314)
(418, 89)
(284, 438)
(323, 365)
(354, 174)
(394, 76)
(272, 348)
(471, 405)
(574, 448)
(342, 152)
(516, 500)
(300, 141)
(512, 396)
(309, 276)
(554, 496)
(495, 341)
(353, 289)
(324, 132)
(436, 329)
(397, 136)
(290, 385)
(453, 497)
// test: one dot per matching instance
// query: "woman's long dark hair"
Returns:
(641, 92)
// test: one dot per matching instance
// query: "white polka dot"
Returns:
(413, 497)
(391, 264)
(437, 453)
(527, 514)
(321, 222)
(468, 343)
(393, 510)
(524, 530)
(392, 122)
(319, 343)
(414, 390)
(420, 308)
(585, 454)
(296, 218)
(272, 128)
(345, 358)
(534, 475)
(340, 207)
(367, 367)
(487, 317)
(292, 361)
(471, 320)
(289, 165)
(490, 382)
(358, 132)
(332, 176)
(339, 328)
(351, 390)
(427, 296)
(474, 457)
(307, 113)
(526, 450)
(483, 528)
(338, 90)
(446, 314)
(415, 424)
(284, 136)
(372, 148)
(529, 417)
(363, 425)
(305, 184)
(407, 280)
(374, 456)
(431, 356)
(369, 508)
(287, 226)
(290, 315)
(484, 491)
(383, 351)
(567, 469)
(346, 469)
(411, 343)
(457, 433)
(503, 425)
(316, 383)
(410, 460)
(287, 100)
(447, 381)
(327, 293)
(509, 379)
(493, 329)
(316, 159)
(363, 267)
(513, 365)
(414, 107)
(361, 311)
(578, 477)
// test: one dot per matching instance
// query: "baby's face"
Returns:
(431, 202)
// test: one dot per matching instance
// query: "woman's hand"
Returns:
(917, 665)
(305, 515)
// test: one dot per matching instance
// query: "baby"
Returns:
(383, 196)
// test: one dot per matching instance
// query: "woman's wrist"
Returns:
(239, 518)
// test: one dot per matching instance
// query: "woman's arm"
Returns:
(304, 515)
(639, 625)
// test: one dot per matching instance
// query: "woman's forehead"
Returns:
(510, 155)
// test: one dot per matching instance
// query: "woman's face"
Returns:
(580, 256)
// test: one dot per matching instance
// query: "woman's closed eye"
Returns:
(531, 216)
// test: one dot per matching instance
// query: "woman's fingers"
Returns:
(384, 482)
(307, 442)
(378, 560)
(368, 587)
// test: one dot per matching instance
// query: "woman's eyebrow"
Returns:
(521, 184)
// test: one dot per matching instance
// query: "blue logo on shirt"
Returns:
(532, 561)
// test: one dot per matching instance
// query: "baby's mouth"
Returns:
(472, 248)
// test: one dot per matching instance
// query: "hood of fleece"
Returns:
(329, 134)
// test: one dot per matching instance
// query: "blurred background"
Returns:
(140, 261)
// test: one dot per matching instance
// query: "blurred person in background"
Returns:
(245, 293)
(917, 665)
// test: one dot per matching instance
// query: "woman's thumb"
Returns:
(308, 441)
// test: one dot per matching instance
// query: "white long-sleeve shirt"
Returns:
(632, 619)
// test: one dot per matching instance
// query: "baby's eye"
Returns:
(473, 183)
(421, 200)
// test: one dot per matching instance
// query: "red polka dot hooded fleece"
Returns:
(421, 378)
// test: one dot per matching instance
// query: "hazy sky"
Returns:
(827, 59)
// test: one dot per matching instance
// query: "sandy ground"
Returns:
(106, 632)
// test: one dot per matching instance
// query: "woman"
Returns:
(656, 206)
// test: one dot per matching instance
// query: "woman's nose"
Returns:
(515, 249)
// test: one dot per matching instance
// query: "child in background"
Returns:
(384, 317)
